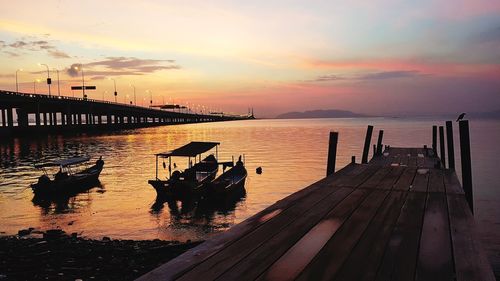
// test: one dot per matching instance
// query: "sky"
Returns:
(374, 57)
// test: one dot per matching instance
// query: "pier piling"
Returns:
(366, 147)
(441, 146)
(434, 139)
(451, 147)
(466, 162)
(379, 142)
(332, 153)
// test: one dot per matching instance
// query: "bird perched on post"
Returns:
(460, 117)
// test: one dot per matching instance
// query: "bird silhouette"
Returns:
(460, 117)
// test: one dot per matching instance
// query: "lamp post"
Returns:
(116, 93)
(49, 81)
(83, 78)
(135, 100)
(150, 98)
(34, 85)
(17, 85)
(58, 85)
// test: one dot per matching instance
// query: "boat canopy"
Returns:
(64, 162)
(189, 150)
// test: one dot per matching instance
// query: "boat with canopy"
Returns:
(181, 183)
(74, 174)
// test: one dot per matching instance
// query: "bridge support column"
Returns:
(99, 119)
(4, 121)
(37, 118)
(10, 117)
(22, 117)
(51, 121)
(69, 118)
(45, 118)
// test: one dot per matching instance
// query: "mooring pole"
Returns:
(466, 162)
(434, 139)
(441, 146)
(332, 153)
(366, 148)
(353, 159)
(379, 141)
(451, 147)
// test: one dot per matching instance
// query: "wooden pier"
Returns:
(56, 114)
(401, 216)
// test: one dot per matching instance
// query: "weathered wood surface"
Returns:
(400, 217)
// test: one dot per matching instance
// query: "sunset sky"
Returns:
(375, 57)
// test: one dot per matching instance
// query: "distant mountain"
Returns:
(329, 113)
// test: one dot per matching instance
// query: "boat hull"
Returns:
(73, 183)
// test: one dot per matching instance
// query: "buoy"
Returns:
(258, 170)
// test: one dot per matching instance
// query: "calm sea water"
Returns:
(292, 154)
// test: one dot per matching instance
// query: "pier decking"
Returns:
(399, 217)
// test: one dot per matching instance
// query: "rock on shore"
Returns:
(59, 256)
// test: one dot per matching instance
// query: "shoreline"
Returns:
(57, 255)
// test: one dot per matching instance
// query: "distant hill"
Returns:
(329, 113)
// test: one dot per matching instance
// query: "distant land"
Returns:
(335, 113)
(328, 113)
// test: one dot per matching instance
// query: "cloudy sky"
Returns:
(375, 57)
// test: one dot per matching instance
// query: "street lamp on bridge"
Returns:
(135, 99)
(49, 81)
(114, 82)
(17, 85)
(76, 67)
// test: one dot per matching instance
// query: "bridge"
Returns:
(23, 114)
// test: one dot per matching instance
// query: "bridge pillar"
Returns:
(44, 118)
(50, 119)
(69, 118)
(4, 121)
(10, 117)
(22, 117)
(99, 119)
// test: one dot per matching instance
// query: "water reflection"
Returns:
(205, 211)
(67, 202)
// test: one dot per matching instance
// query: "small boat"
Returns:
(230, 181)
(191, 181)
(70, 178)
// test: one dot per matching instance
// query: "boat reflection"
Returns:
(66, 202)
(200, 208)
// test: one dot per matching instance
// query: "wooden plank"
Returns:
(328, 261)
(390, 180)
(435, 260)
(436, 180)
(354, 181)
(421, 180)
(213, 267)
(451, 183)
(301, 240)
(405, 180)
(371, 246)
(399, 260)
(191, 258)
(376, 178)
(471, 262)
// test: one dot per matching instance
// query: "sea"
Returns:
(291, 153)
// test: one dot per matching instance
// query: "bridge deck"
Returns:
(396, 218)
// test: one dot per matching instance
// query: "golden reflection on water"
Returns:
(292, 154)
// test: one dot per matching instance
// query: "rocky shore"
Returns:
(56, 255)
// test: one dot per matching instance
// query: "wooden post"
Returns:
(466, 162)
(434, 139)
(332, 153)
(374, 150)
(366, 148)
(441, 146)
(353, 159)
(379, 142)
(451, 147)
